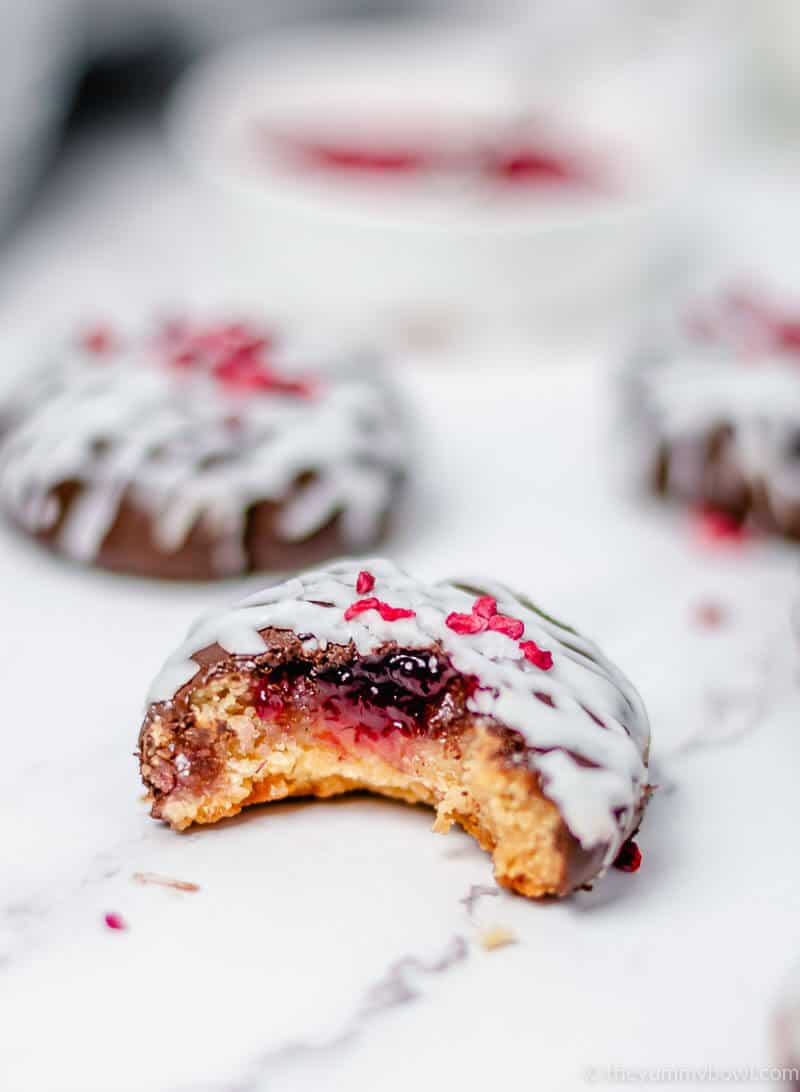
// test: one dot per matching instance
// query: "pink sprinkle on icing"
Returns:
(511, 627)
(393, 614)
(538, 656)
(485, 607)
(365, 582)
(115, 921)
(387, 612)
(360, 606)
(237, 357)
(465, 623)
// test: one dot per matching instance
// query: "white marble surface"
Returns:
(329, 944)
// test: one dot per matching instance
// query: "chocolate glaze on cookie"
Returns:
(195, 453)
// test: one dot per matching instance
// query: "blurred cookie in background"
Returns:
(713, 399)
(201, 450)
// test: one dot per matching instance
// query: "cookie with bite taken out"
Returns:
(468, 699)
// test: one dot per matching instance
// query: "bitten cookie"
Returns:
(470, 700)
(714, 398)
(196, 452)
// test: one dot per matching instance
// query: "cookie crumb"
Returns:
(164, 881)
(496, 936)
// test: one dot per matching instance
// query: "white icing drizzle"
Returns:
(598, 802)
(186, 448)
(736, 376)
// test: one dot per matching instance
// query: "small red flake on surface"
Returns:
(115, 921)
(466, 623)
(789, 336)
(511, 627)
(545, 699)
(98, 339)
(387, 612)
(629, 858)
(715, 527)
(708, 615)
(485, 607)
(538, 656)
(364, 582)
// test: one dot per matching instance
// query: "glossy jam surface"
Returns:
(406, 693)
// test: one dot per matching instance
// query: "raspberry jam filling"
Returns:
(384, 699)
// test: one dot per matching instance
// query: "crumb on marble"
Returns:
(496, 936)
(164, 881)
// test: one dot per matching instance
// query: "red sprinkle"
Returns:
(485, 607)
(98, 339)
(115, 921)
(545, 699)
(360, 606)
(709, 615)
(466, 623)
(538, 656)
(234, 354)
(365, 582)
(511, 627)
(714, 526)
(629, 858)
(387, 612)
(393, 614)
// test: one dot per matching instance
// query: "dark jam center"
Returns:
(413, 693)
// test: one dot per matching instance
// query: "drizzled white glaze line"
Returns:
(598, 804)
(186, 448)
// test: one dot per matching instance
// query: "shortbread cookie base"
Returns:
(211, 764)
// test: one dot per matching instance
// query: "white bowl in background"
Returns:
(371, 253)
(40, 52)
